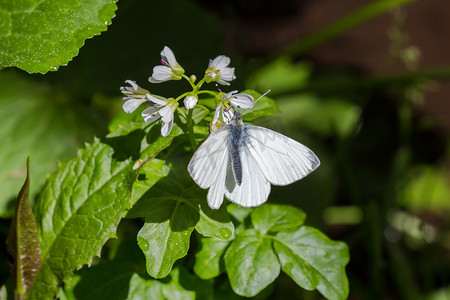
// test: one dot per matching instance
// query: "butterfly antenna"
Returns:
(245, 111)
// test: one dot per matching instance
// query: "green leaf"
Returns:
(164, 238)
(149, 175)
(78, 211)
(172, 209)
(124, 280)
(251, 263)
(209, 261)
(274, 218)
(41, 35)
(23, 241)
(39, 121)
(313, 261)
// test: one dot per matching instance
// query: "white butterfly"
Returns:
(241, 161)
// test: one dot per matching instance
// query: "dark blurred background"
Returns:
(366, 91)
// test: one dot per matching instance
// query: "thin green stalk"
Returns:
(190, 125)
(339, 27)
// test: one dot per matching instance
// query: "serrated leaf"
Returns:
(314, 261)
(40, 121)
(23, 241)
(78, 211)
(251, 263)
(41, 35)
(274, 218)
(209, 261)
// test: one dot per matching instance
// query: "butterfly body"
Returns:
(236, 139)
(240, 162)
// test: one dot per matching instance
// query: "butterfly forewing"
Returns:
(207, 161)
(281, 159)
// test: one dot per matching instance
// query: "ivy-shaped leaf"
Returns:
(172, 209)
(251, 263)
(277, 238)
(274, 218)
(314, 261)
(41, 35)
(23, 241)
(209, 261)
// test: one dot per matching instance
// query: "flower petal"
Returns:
(151, 114)
(169, 57)
(242, 100)
(216, 114)
(156, 100)
(166, 128)
(161, 74)
(190, 101)
(220, 62)
(133, 84)
(166, 114)
(130, 105)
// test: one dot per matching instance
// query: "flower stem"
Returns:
(189, 80)
(190, 125)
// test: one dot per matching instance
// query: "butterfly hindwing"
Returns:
(281, 159)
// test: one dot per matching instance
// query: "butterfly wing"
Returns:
(281, 159)
(254, 188)
(208, 166)
(210, 159)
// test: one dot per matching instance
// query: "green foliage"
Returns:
(39, 36)
(172, 209)
(277, 239)
(40, 121)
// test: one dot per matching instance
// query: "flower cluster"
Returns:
(164, 109)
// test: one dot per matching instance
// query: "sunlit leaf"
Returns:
(251, 263)
(209, 261)
(23, 241)
(171, 211)
(313, 261)
(78, 211)
(39, 36)
(274, 218)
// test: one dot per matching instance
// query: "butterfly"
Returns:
(241, 161)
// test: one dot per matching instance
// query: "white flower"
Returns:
(162, 108)
(134, 96)
(218, 70)
(240, 100)
(170, 69)
(190, 101)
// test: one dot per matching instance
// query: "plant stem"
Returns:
(190, 125)
(339, 27)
